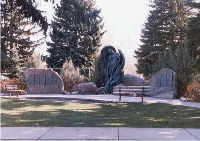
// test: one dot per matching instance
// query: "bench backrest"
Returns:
(131, 89)
(11, 87)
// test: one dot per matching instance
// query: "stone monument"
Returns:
(43, 81)
(163, 84)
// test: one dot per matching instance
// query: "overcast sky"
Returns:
(123, 20)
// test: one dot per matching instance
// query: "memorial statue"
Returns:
(113, 64)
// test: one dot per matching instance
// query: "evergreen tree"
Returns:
(16, 46)
(181, 62)
(76, 35)
(29, 10)
(165, 28)
(193, 33)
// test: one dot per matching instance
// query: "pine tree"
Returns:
(76, 35)
(29, 10)
(16, 45)
(181, 62)
(193, 33)
(165, 28)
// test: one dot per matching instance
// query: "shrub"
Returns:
(98, 75)
(193, 91)
(70, 76)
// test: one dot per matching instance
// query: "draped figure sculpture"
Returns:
(113, 63)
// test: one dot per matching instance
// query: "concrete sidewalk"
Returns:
(107, 98)
(96, 133)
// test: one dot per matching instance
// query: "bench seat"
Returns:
(140, 91)
(13, 89)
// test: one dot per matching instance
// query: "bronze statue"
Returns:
(113, 64)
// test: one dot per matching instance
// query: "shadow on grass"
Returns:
(12, 104)
(90, 114)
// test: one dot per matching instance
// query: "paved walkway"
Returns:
(95, 133)
(109, 98)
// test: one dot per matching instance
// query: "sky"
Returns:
(123, 22)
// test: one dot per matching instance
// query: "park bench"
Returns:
(140, 91)
(13, 89)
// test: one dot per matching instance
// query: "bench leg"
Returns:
(120, 97)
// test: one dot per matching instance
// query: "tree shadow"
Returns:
(104, 115)
(15, 103)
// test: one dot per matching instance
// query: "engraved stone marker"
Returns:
(163, 84)
(43, 81)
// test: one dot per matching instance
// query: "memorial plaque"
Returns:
(163, 84)
(43, 81)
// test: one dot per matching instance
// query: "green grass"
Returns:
(93, 114)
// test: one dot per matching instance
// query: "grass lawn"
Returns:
(93, 114)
